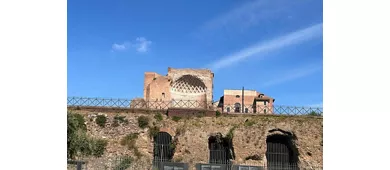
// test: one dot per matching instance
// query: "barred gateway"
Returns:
(164, 105)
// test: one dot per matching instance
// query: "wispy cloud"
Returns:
(294, 74)
(253, 13)
(120, 47)
(141, 45)
(275, 44)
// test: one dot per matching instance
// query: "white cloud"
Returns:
(275, 44)
(294, 74)
(141, 45)
(119, 47)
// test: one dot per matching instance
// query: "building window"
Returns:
(163, 95)
(265, 111)
(265, 102)
(246, 110)
(237, 107)
(237, 96)
(228, 109)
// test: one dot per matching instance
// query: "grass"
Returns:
(176, 118)
(129, 140)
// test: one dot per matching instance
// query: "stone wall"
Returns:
(191, 134)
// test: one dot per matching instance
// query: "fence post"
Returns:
(79, 165)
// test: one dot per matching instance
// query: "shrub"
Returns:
(176, 118)
(153, 131)
(129, 140)
(313, 113)
(124, 163)
(143, 122)
(78, 142)
(101, 120)
(217, 113)
(98, 147)
(249, 123)
(119, 119)
(158, 117)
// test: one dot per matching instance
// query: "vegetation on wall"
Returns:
(143, 122)
(129, 141)
(217, 113)
(158, 117)
(78, 142)
(176, 118)
(101, 120)
(119, 120)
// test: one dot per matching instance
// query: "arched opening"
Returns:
(163, 148)
(189, 84)
(188, 91)
(221, 149)
(281, 152)
(237, 107)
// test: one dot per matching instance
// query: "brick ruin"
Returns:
(193, 89)
(195, 85)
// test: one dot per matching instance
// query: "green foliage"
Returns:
(217, 113)
(143, 122)
(98, 147)
(230, 134)
(158, 117)
(249, 123)
(101, 120)
(124, 163)
(129, 140)
(121, 119)
(313, 113)
(118, 120)
(78, 142)
(176, 118)
(153, 131)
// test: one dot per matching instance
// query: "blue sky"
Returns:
(273, 46)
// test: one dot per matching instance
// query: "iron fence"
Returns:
(164, 105)
(76, 165)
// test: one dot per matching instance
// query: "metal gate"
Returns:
(163, 149)
(279, 156)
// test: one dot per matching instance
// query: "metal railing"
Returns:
(194, 104)
(76, 165)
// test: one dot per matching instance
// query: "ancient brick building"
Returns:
(190, 87)
(247, 101)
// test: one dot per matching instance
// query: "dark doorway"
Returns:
(237, 107)
(221, 149)
(163, 148)
(281, 153)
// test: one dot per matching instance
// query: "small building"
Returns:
(245, 101)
